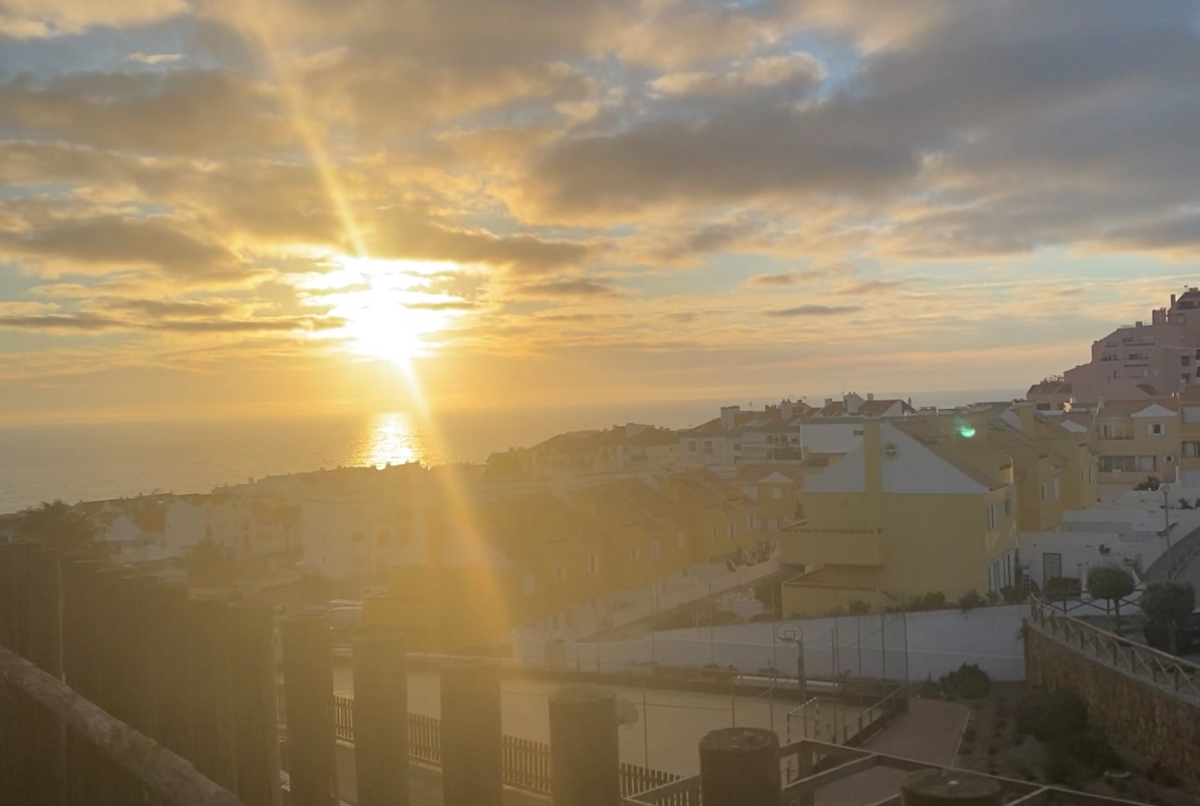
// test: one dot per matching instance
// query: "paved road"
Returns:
(665, 732)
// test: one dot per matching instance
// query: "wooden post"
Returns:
(948, 788)
(15, 712)
(45, 651)
(256, 723)
(167, 629)
(84, 765)
(585, 763)
(115, 690)
(381, 719)
(472, 744)
(213, 748)
(308, 690)
(740, 767)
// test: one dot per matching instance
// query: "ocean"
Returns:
(93, 461)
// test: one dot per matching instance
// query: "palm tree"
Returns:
(56, 525)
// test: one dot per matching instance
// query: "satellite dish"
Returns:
(890, 450)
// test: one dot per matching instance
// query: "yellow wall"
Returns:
(926, 543)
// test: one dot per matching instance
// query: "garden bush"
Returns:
(1050, 716)
(967, 681)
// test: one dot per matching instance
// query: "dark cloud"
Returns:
(174, 111)
(568, 288)
(157, 308)
(769, 280)
(874, 286)
(404, 235)
(53, 321)
(1078, 113)
(126, 242)
(814, 310)
(88, 322)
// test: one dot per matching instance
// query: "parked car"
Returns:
(1187, 635)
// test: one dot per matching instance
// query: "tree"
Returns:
(205, 563)
(1112, 582)
(56, 525)
(1166, 604)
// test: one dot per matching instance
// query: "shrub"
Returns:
(858, 607)
(1165, 604)
(970, 600)
(968, 734)
(967, 681)
(1011, 595)
(933, 600)
(1111, 582)
(929, 690)
(1051, 716)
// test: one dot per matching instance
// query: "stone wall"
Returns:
(1148, 723)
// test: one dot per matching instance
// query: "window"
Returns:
(680, 539)
(593, 563)
(1109, 431)
(1007, 506)
(991, 517)
(1043, 490)
(1148, 463)
(714, 533)
(692, 445)
(1186, 360)
(1056, 489)
(560, 573)
(634, 553)
(1155, 429)
(1191, 414)
(731, 529)
(1191, 450)
(655, 551)
(707, 446)
(528, 584)
(1118, 464)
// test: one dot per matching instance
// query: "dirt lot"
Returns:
(992, 744)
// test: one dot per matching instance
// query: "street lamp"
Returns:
(1166, 491)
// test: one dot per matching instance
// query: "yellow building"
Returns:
(1136, 439)
(899, 516)
(1189, 435)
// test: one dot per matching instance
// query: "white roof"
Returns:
(1154, 410)
(910, 469)
(1073, 426)
(820, 437)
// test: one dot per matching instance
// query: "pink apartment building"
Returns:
(1143, 360)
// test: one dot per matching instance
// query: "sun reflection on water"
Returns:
(393, 441)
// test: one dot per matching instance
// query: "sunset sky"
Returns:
(216, 206)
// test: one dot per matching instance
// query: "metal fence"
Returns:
(1112, 650)
(526, 763)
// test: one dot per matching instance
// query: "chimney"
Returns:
(786, 409)
(729, 417)
(870, 395)
(1172, 300)
(872, 447)
(829, 401)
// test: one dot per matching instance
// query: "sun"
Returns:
(392, 309)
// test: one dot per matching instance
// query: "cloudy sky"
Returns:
(215, 206)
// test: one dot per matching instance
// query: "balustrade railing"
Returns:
(1113, 650)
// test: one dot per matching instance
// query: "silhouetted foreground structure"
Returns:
(118, 689)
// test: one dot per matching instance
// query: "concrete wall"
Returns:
(895, 646)
(1151, 723)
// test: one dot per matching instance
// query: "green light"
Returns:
(967, 431)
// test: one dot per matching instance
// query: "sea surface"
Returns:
(113, 459)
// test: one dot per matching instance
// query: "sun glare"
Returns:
(391, 308)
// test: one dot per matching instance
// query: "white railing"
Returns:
(1116, 652)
